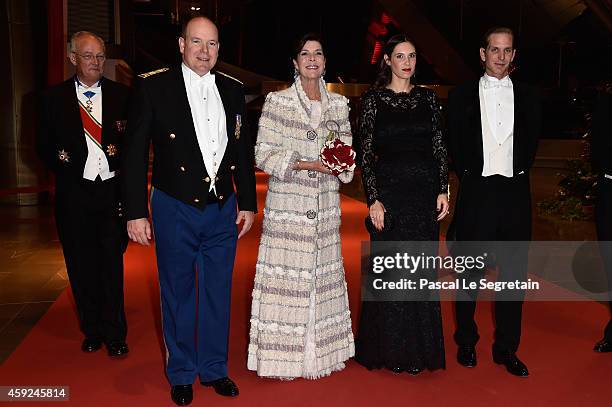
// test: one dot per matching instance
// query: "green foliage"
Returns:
(576, 195)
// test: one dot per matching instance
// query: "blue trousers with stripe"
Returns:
(195, 258)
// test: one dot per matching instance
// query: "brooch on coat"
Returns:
(63, 156)
(111, 150)
(238, 125)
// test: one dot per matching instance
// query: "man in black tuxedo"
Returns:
(601, 154)
(195, 119)
(493, 128)
(80, 134)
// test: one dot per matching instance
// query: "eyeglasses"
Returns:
(90, 57)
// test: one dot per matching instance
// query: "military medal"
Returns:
(63, 156)
(111, 150)
(120, 125)
(238, 125)
(89, 104)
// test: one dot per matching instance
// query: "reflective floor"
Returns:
(32, 271)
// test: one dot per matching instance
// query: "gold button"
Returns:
(221, 197)
(196, 200)
(172, 136)
(183, 169)
(206, 179)
(233, 167)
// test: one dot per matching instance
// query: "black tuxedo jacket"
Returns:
(160, 114)
(465, 129)
(60, 140)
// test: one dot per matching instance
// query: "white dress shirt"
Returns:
(497, 120)
(96, 163)
(208, 119)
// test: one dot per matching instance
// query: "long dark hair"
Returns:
(384, 71)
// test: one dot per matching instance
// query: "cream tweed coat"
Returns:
(300, 319)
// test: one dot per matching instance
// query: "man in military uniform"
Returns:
(82, 122)
(194, 117)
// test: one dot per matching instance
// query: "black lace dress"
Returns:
(404, 166)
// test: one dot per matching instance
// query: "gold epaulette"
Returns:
(229, 76)
(155, 72)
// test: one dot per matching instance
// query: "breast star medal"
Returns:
(63, 156)
(111, 150)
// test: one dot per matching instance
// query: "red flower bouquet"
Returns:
(337, 156)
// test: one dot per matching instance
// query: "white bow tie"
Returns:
(493, 84)
(206, 80)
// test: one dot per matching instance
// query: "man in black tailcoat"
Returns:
(493, 127)
(82, 123)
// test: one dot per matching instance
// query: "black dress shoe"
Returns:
(513, 364)
(414, 370)
(91, 345)
(466, 356)
(182, 394)
(603, 346)
(117, 349)
(224, 386)
(397, 370)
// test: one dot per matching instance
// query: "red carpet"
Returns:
(556, 344)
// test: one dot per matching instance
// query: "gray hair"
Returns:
(80, 34)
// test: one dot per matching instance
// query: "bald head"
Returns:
(199, 45)
(77, 37)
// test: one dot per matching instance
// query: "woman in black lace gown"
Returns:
(405, 174)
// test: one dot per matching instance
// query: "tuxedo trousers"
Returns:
(494, 208)
(603, 222)
(93, 238)
(195, 257)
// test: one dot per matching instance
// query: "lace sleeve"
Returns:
(367, 118)
(345, 135)
(439, 148)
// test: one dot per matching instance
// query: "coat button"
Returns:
(207, 179)
(311, 134)
(220, 197)
(233, 167)
(311, 214)
(172, 136)
(312, 173)
(182, 168)
(196, 200)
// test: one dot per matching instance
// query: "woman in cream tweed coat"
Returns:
(300, 319)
